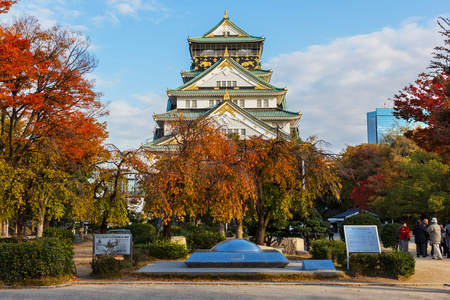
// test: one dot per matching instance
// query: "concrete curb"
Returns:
(234, 283)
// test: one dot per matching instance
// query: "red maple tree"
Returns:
(427, 101)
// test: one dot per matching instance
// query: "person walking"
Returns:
(447, 238)
(435, 235)
(425, 226)
(420, 237)
(404, 237)
(331, 233)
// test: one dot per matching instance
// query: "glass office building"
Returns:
(380, 121)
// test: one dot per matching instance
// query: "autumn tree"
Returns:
(45, 100)
(288, 175)
(197, 173)
(427, 101)
(5, 5)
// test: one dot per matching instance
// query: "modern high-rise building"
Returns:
(227, 83)
(380, 121)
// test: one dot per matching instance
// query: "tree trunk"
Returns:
(81, 230)
(103, 226)
(40, 224)
(239, 228)
(222, 229)
(263, 220)
(167, 230)
(19, 224)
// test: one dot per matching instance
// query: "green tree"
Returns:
(420, 189)
(360, 219)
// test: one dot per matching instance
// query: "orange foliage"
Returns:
(44, 95)
(5, 5)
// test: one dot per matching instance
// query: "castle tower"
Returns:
(226, 82)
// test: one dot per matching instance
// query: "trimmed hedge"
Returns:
(45, 257)
(106, 266)
(325, 249)
(364, 263)
(58, 232)
(164, 250)
(398, 263)
(395, 263)
(8, 240)
(200, 238)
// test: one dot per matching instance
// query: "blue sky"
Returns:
(338, 59)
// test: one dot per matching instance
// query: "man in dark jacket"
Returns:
(420, 236)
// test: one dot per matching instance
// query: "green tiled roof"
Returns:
(222, 92)
(237, 65)
(258, 113)
(272, 113)
(235, 27)
(224, 39)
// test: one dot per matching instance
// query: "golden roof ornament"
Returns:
(226, 97)
(226, 14)
(225, 54)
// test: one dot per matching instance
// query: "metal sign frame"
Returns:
(118, 244)
(361, 238)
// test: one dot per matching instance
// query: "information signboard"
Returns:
(361, 238)
(117, 244)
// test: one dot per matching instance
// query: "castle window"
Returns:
(211, 102)
(258, 103)
(242, 131)
(224, 83)
(241, 103)
(235, 101)
(234, 83)
(228, 83)
(266, 102)
(194, 103)
(188, 103)
(218, 83)
(217, 102)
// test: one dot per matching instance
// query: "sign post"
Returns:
(361, 238)
(113, 244)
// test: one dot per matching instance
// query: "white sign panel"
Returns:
(362, 238)
(118, 244)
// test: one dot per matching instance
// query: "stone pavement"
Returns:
(179, 267)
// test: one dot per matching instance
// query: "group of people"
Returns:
(438, 236)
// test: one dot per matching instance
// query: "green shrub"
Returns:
(45, 257)
(106, 266)
(138, 229)
(146, 238)
(60, 233)
(325, 249)
(398, 263)
(360, 219)
(164, 250)
(387, 236)
(201, 238)
(364, 263)
(8, 240)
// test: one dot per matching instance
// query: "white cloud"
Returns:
(48, 12)
(99, 82)
(133, 7)
(128, 125)
(335, 85)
